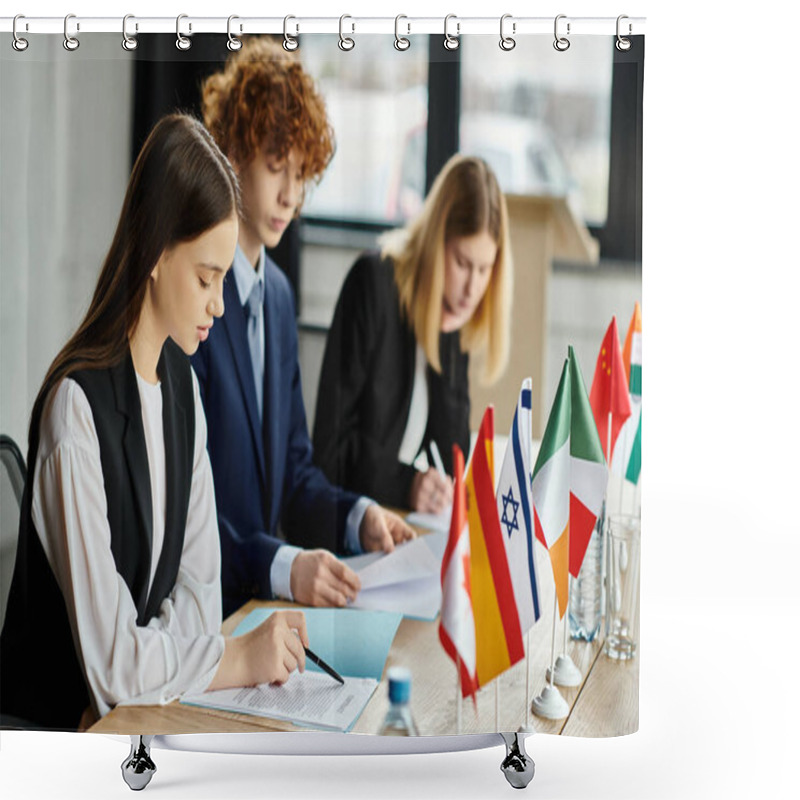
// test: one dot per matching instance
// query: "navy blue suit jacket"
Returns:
(264, 477)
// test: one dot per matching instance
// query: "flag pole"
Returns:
(566, 673)
(637, 498)
(624, 466)
(553, 647)
(497, 704)
(550, 704)
(603, 552)
(458, 693)
(528, 678)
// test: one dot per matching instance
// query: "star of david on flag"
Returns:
(510, 523)
(515, 509)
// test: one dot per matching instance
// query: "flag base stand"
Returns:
(527, 730)
(550, 704)
(565, 672)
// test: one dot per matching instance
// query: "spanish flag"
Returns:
(498, 635)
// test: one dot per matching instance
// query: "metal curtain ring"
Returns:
(70, 42)
(345, 42)
(507, 42)
(182, 42)
(622, 44)
(128, 42)
(289, 42)
(561, 43)
(233, 44)
(18, 43)
(451, 42)
(400, 42)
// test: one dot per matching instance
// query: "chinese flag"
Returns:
(609, 393)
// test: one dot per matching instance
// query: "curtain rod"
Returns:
(294, 25)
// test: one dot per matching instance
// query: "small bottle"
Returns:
(398, 720)
(586, 592)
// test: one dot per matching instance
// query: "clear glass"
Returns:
(542, 119)
(378, 106)
(586, 592)
(622, 586)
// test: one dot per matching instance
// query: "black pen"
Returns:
(322, 665)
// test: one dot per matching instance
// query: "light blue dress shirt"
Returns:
(245, 277)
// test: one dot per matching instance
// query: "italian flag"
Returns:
(550, 489)
(588, 472)
(569, 479)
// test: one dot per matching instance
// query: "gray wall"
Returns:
(64, 164)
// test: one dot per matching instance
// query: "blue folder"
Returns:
(354, 642)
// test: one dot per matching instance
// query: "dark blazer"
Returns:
(264, 477)
(365, 389)
(41, 677)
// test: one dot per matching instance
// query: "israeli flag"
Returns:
(515, 510)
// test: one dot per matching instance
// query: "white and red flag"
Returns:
(457, 621)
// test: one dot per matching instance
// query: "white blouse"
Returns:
(417, 420)
(180, 649)
(153, 423)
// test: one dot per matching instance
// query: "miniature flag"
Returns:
(635, 461)
(498, 637)
(457, 623)
(627, 458)
(588, 478)
(551, 489)
(609, 393)
(632, 353)
(515, 509)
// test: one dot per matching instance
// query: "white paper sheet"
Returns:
(307, 699)
(407, 562)
(421, 599)
(433, 522)
(406, 581)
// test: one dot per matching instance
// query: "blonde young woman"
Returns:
(394, 379)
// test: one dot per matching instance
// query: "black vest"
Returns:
(41, 672)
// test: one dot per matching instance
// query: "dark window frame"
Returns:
(620, 236)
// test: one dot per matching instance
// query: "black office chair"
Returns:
(12, 482)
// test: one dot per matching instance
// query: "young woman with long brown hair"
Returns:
(116, 591)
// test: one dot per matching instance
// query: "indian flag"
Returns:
(627, 459)
(632, 353)
(550, 489)
(498, 636)
(588, 477)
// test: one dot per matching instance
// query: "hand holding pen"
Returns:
(432, 491)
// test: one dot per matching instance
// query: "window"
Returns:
(378, 106)
(541, 118)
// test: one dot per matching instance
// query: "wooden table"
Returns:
(605, 704)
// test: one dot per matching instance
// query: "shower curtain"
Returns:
(487, 610)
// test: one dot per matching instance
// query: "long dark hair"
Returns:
(181, 186)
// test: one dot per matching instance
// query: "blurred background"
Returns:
(560, 125)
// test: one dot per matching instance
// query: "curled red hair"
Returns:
(263, 101)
